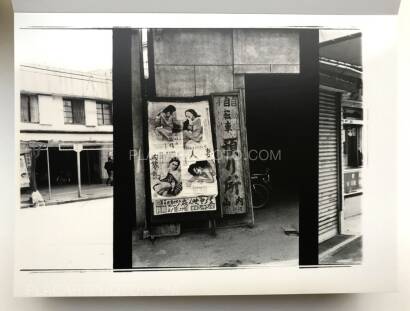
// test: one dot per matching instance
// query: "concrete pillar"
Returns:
(127, 98)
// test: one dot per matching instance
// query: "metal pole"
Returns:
(79, 173)
(48, 175)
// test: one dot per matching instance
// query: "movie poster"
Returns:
(182, 162)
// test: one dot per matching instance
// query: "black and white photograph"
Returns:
(66, 107)
(64, 124)
(215, 144)
(246, 153)
(149, 151)
(186, 156)
(341, 128)
(259, 84)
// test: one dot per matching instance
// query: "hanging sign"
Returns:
(181, 155)
(24, 177)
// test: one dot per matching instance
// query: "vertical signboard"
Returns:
(232, 154)
(181, 156)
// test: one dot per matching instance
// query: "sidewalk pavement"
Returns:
(69, 193)
(349, 253)
(346, 248)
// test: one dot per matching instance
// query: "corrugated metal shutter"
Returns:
(328, 165)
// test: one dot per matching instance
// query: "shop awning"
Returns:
(346, 49)
(26, 146)
(340, 60)
(66, 137)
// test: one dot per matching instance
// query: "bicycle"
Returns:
(63, 179)
(261, 189)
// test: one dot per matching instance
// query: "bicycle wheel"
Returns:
(260, 195)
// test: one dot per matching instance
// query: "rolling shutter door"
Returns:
(328, 165)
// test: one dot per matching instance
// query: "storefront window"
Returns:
(352, 146)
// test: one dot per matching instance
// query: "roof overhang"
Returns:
(347, 50)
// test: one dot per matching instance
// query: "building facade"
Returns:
(341, 137)
(272, 73)
(291, 98)
(67, 116)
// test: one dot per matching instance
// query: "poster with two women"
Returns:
(181, 154)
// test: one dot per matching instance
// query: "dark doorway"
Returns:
(282, 115)
(274, 124)
(63, 167)
(90, 167)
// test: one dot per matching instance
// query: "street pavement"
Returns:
(78, 235)
(265, 244)
(75, 235)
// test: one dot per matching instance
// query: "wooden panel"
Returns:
(233, 173)
(328, 166)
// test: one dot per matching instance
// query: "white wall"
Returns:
(51, 85)
(54, 81)
(50, 112)
(51, 115)
(90, 107)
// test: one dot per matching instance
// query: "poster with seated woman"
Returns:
(196, 131)
(192, 128)
(164, 126)
(182, 162)
(166, 175)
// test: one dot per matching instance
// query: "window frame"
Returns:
(29, 108)
(81, 103)
(102, 117)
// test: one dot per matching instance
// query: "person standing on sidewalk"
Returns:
(109, 167)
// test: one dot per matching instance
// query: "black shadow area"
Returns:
(124, 198)
(282, 116)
